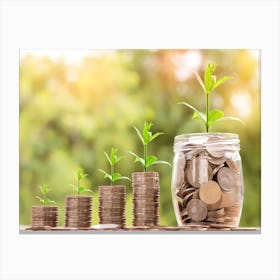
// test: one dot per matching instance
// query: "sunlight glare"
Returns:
(70, 56)
(242, 102)
(187, 63)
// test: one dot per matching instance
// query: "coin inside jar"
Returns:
(198, 171)
(197, 210)
(210, 192)
(226, 178)
(180, 173)
(229, 198)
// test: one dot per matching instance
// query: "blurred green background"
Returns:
(74, 105)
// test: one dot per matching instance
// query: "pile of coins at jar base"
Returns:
(146, 194)
(112, 205)
(78, 211)
(209, 187)
(44, 216)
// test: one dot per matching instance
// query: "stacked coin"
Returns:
(112, 205)
(146, 194)
(43, 216)
(78, 211)
(208, 185)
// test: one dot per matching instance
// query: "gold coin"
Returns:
(210, 192)
(229, 198)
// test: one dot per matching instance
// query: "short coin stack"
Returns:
(209, 186)
(146, 194)
(112, 205)
(78, 211)
(44, 216)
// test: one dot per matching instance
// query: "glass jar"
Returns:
(207, 181)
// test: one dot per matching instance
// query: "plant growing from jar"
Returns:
(145, 185)
(112, 197)
(207, 181)
(44, 215)
(209, 84)
(78, 207)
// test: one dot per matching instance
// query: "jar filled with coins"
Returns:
(207, 181)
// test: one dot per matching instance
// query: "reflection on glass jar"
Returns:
(207, 181)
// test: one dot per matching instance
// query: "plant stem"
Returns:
(78, 187)
(112, 172)
(207, 111)
(145, 157)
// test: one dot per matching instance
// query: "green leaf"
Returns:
(46, 201)
(84, 189)
(200, 81)
(113, 155)
(40, 199)
(155, 136)
(79, 174)
(52, 201)
(214, 115)
(87, 190)
(198, 114)
(146, 132)
(41, 189)
(44, 189)
(139, 135)
(209, 79)
(221, 81)
(232, 119)
(123, 178)
(138, 159)
(150, 160)
(119, 158)
(108, 158)
(106, 175)
(115, 176)
(161, 162)
(80, 189)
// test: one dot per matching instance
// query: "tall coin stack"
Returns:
(146, 195)
(112, 205)
(78, 211)
(43, 216)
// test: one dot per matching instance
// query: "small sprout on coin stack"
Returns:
(79, 175)
(208, 85)
(45, 190)
(147, 137)
(113, 159)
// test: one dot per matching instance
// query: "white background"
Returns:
(129, 24)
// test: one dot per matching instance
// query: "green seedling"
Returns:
(79, 175)
(45, 190)
(113, 159)
(208, 85)
(147, 137)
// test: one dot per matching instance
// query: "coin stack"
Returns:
(209, 186)
(146, 194)
(112, 205)
(44, 216)
(78, 211)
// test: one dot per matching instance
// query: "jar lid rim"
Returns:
(224, 134)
